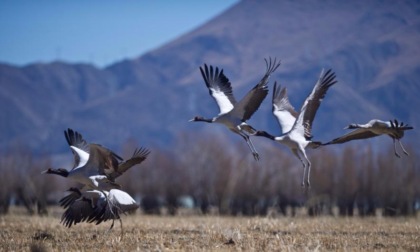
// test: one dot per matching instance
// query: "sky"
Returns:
(99, 32)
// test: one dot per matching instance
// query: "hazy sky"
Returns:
(95, 31)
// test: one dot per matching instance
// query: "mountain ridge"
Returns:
(372, 47)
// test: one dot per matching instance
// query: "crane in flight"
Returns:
(94, 165)
(234, 114)
(375, 128)
(297, 127)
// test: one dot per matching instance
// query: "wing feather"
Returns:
(313, 101)
(219, 87)
(138, 157)
(75, 139)
(68, 200)
(102, 161)
(353, 135)
(85, 153)
(79, 211)
(284, 112)
(253, 99)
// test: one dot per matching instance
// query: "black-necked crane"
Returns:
(296, 127)
(96, 166)
(234, 114)
(96, 206)
(375, 128)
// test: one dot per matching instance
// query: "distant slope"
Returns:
(373, 48)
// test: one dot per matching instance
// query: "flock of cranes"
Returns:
(296, 127)
(99, 198)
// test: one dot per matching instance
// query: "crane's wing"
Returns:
(353, 135)
(68, 200)
(102, 161)
(247, 106)
(82, 209)
(284, 112)
(89, 207)
(82, 151)
(118, 203)
(79, 147)
(75, 139)
(139, 156)
(219, 88)
(312, 103)
(110, 152)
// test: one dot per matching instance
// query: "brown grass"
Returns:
(19, 232)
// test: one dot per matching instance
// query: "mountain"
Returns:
(373, 46)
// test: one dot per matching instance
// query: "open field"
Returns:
(20, 232)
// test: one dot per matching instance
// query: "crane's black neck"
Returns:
(60, 171)
(201, 119)
(353, 126)
(264, 134)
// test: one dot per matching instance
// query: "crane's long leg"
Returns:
(395, 148)
(254, 152)
(296, 153)
(308, 166)
(402, 147)
(122, 230)
(110, 228)
(112, 225)
(121, 225)
(250, 145)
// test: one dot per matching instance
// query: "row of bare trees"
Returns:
(223, 177)
(21, 183)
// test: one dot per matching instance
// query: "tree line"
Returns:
(222, 177)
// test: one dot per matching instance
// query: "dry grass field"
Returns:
(20, 232)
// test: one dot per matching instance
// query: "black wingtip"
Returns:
(68, 134)
(210, 74)
(271, 65)
(275, 90)
(328, 78)
(204, 73)
(141, 152)
(392, 124)
(399, 125)
(72, 136)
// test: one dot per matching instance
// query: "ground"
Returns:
(20, 232)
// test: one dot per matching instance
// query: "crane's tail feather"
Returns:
(400, 126)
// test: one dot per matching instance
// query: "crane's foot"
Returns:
(306, 184)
